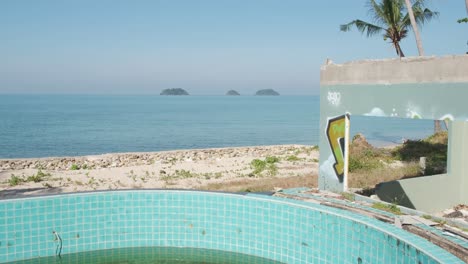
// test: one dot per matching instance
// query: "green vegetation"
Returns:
(463, 20)
(268, 164)
(367, 158)
(292, 158)
(391, 18)
(434, 148)
(267, 92)
(428, 217)
(74, 167)
(38, 177)
(258, 166)
(392, 208)
(174, 91)
(15, 180)
(369, 166)
(348, 196)
(208, 176)
(271, 159)
(184, 174)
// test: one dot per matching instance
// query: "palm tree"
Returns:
(391, 19)
(464, 20)
(414, 25)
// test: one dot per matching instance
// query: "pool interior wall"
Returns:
(275, 228)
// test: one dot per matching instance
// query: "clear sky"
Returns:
(204, 46)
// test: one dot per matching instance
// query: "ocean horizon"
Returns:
(45, 125)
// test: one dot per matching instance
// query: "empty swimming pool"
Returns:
(269, 228)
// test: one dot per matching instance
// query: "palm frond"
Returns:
(377, 12)
(363, 27)
(420, 15)
(425, 16)
(395, 8)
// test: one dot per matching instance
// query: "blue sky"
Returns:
(204, 46)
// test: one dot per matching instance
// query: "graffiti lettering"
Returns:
(334, 98)
(336, 138)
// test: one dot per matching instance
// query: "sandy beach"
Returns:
(257, 168)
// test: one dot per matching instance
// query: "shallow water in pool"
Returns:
(153, 255)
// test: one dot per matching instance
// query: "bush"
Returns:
(258, 166)
(74, 167)
(434, 148)
(271, 159)
(363, 163)
(268, 164)
(15, 180)
(38, 177)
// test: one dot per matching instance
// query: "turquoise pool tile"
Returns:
(277, 228)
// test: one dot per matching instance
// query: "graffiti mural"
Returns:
(336, 133)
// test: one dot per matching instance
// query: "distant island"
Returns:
(174, 91)
(267, 92)
(232, 93)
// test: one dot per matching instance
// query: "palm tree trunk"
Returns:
(398, 49)
(466, 3)
(415, 27)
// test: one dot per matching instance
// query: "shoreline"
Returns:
(228, 169)
(151, 156)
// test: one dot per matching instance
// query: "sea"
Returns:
(77, 125)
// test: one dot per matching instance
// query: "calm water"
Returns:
(152, 255)
(70, 125)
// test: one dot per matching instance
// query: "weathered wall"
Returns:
(396, 71)
(426, 88)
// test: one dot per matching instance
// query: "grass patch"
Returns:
(15, 180)
(74, 167)
(434, 148)
(367, 159)
(260, 185)
(348, 196)
(268, 165)
(392, 208)
(184, 174)
(271, 159)
(210, 175)
(258, 166)
(369, 166)
(38, 177)
(369, 178)
(428, 217)
(292, 158)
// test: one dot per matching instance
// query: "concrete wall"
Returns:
(421, 88)
(395, 71)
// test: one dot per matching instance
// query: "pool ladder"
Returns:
(58, 250)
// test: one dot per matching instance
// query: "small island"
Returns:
(267, 92)
(232, 93)
(174, 91)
